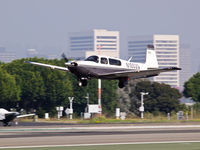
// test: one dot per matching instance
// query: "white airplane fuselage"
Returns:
(90, 69)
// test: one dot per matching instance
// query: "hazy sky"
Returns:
(45, 24)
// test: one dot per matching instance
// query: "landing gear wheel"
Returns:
(5, 124)
(121, 84)
(82, 83)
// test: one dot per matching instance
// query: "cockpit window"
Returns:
(93, 58)
(114, 62)
(104, 60)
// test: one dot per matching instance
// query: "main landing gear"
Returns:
(6, 124)
(122, 82)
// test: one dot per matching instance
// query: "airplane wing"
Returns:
(27, 115)
(48, 66)
(135, 75)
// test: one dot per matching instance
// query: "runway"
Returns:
(96, 134)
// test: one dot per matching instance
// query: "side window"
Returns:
(114, 62)
(93, 58)
(104, 60)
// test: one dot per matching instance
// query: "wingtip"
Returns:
(176, 68)
(26, 61)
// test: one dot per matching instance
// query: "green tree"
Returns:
(42, 88)
(109, 96)
(192, 87)
(161, 97)
(9, 91)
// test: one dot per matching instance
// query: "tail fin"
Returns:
(151, 59)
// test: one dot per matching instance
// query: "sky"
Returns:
(45, 24)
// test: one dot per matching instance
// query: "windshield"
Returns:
(93, 58)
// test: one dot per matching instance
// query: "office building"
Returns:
(185, 64)
(167, 51)
(32, 53)
(7, 57)
(84, 44)
(2, 49)
(35, 53)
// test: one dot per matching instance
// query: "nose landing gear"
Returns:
(82, 82)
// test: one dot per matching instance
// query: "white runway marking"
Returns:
(100, 144)
(102, 128)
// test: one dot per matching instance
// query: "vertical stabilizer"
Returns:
(151, 59)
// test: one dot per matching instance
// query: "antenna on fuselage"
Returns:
(130, 58)
(64, 57)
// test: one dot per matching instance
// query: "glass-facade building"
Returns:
(84, 44)
(185, 64)
(7, 57)
(167, 51)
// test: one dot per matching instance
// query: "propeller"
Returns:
(64, 57)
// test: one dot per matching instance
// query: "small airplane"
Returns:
(103, 67)
(7, 116)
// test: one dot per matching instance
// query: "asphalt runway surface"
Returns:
(41, 134)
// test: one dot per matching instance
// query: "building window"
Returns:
(72, 42)
(166, 52)
(106, 37)
(106, 45)
(167, 59)
(81, 38)
(166, 45)
(167, 64)
(167, 56)
(130, 46)
(166, 48)
(82, 45)
(136, 42)
(82, 49)
(137, 49)
(93, 58)
(162, 41)
(108, 48)
(106, 41)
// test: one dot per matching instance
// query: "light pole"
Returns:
(141, 109)
(70, 108)
(99, 85)
(99, 96)
(88, 99)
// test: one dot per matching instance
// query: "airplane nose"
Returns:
(71, 64)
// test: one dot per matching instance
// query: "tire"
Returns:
(79, 84)
(84, 82)
(121, 84)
